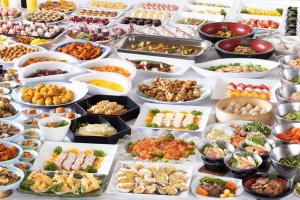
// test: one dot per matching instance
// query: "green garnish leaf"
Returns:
(154, 111)
(90, 169)
(99, 153)
(272, 175)
(257, 127)
(170, 136)
(56, 187)
(195, 112)
(193, 126)
(58, 150)
(50, 167)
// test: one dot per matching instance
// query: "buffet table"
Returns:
(210, 55)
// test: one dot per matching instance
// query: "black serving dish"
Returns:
(116, 122)
(132, 112)
(247, 182)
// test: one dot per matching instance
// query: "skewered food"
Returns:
(191, 21)
(107, 108)
(268, 12)
(173, 120)
(107, 84)
(140, 179)
(7, 177)
(154, 14)
(216, 187)
(97, 130)
(163, 148)
(7, 153)
(163, 48)
(6, 108)
(8, 130)
(237, 68)
(46, 72)
(50, 94)
(9, 14)
(45, 16)
(98, 13)
(260, 91)
(60, 6)
(141, 21)
(39, 59)
(114, 69)
(74, 160)
(107, 4)
(246, 109)
(171, 90)
(75, 184)
(149, 65)
(10, 53)
(81, 51)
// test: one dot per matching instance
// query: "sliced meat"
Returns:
(60, 159)
(79, 160)
(67, 164)
(88, 161)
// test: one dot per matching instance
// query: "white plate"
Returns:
(112, 187)
(39, 48)
(13, 160)
(48, 147)
(119, 12)
(15, 185)
(18, 112)
(200, 68)
(205, 91)
(220, 89)
(183, 15)
(72, 70)
(279, 20)
(43, 54)
(15, 136)
(140, 121)
(179, 67)
(195, 184)
(108, 76)
(68, 12)
(105, 49)
(79, 90)
(110, 62)
(127, 4)
(197, 8)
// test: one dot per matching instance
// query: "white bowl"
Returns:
(15, 185)
(72, 70)
(16, 124)
(284, 49)
(45, 54)
(19, 153)
(108, 76)
(292, 40)
(54, 134)
(110, 62)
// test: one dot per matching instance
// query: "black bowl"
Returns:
(207, 31)
(116, 122)
(247, 182)
(132, 112)
(225, 48)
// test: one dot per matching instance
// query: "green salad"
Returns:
(293, 115)
(237, 68)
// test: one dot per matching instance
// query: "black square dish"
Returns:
(116, 122)
(132, 112)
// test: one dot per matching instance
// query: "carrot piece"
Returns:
(202, 191)
(231, 185)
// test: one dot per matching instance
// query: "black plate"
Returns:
(289, 189)
(116, 122)
(132, 112)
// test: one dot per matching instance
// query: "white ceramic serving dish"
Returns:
(39, 48)
(112, 186)
(279, 20)
(79, 90)
(72, 70)
(54, 134)
(200, 175)
(105, 49)
(205, 92)
(140, 121)
(110, 62)
(220, 89)
(183, 15)
(18, 112)
(179, 67)
(199, 9)
(15, 185)
(13, 160)
(108, 76)
(15, 136)
(43, 54)
(200, 67)
(48, 147)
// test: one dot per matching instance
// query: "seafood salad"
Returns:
(163, 148)
(257, 142)
(234, 132)
(7, 177)
(215, 150)
(140, 179)
(62, 182)
(243, 160)
(216, 187)
(74, 160)
(174, 120)
(237, 68)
